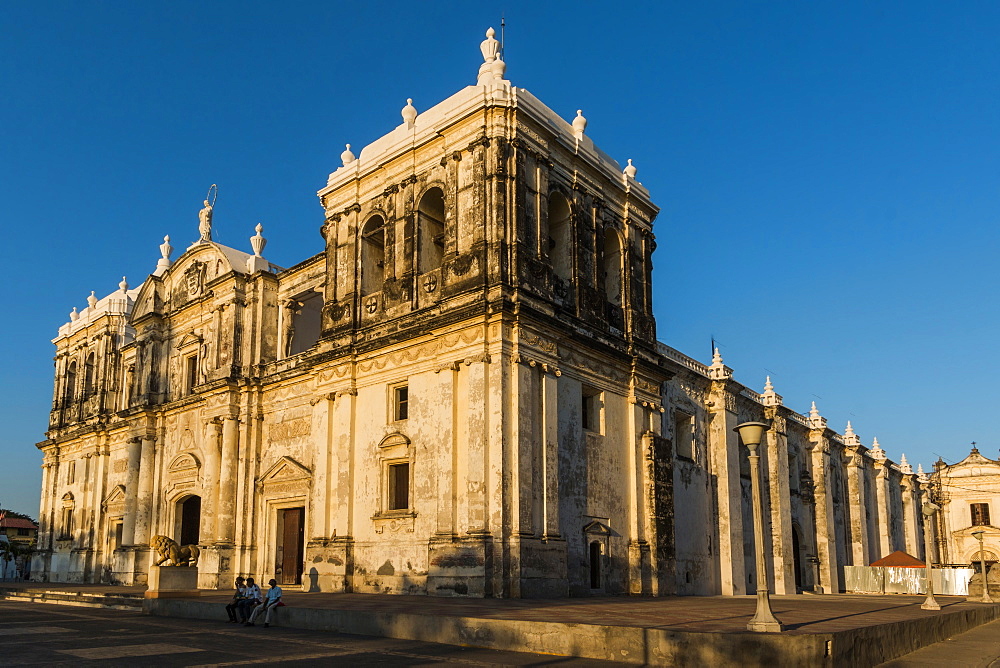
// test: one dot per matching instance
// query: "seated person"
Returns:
(251, 598)
(272, 601)
(237, 597)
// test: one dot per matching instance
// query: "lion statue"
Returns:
(168, 549)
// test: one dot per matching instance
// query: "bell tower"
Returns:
(491, 242)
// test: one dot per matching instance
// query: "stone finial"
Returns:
(257, 242)
(92, 300)
(769, 396)
(409, 113)
(921, 476)
(579, 124)
(630, 169)
(256, 262)
(490, 47)
(123, 285)
(164, 262)
(850, 438)
(904, 465)
(498, 68)
(347, 157)
(718, 370)
(876, 450)
(816, 421)
(73, 315)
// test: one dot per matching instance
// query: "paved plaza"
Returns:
(55, 635)
(345, 625)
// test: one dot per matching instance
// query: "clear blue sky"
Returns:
(827, 172)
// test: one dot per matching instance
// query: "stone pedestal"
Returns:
(172, 581)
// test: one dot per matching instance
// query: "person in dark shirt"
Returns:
(237, 597)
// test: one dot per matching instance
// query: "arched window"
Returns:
(560, 236)
(88, 376)
(373, 255)
(430, 231)
(70, 382)
(613, 267)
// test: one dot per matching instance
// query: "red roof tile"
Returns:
(17, 523)
(899, 559)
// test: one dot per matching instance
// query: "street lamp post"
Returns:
(930, 603)
(763, 620)
(982, 567)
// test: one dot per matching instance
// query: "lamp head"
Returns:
(751, 433)
(978, 534)
(930, 508)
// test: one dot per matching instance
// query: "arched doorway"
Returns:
(188, 522)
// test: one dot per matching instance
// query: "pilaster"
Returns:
(860, 550)
(826, 531)
(783, 555)
(134, 449)
(723, 445)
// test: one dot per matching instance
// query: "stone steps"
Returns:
(112, 601)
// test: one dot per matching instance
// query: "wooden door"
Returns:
(289, 553)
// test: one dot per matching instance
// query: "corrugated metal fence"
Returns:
(895, 580)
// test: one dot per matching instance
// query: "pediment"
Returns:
(190, 338)
(285, 469)
(394, 439)
(597, 528)
(184, 463)
(149, 300)
(117, 495)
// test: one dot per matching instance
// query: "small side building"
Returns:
(969, 495)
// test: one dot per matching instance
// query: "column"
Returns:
(144, 505)
(883, 501)
(826, 532)
(637, 494)
(911, 515)
(780, 507)
(210, 482)
(477, 409)
(227, 480)
(856, 502)
(131, 491)
(343, 411)
(444, 455)
(322, 430)
(724, 452)
(550, 453)
(44, 524)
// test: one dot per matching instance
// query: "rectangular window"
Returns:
(399, 486)
(118, 535)
(70, 473)
(190, 373)
(980, 514)
(684, 435)
(23, 532)
(67, 523)
(400, 402)
(590, 409)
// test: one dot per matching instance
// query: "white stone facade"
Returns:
(461, 394)
(969, 495)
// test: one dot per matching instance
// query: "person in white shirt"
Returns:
(270, 603)
(251, 598)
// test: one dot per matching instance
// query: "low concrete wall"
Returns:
(872, 645)
(618, 643)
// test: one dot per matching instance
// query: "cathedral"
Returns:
(461, 394)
